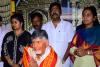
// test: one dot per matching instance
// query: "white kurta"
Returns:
(3, 31)
(59, 37)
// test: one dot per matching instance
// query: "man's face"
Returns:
(39, 45)
(37, 23)
(55, 12)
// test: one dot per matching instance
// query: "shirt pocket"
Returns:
(62, 36)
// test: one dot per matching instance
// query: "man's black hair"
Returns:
(55, 4)
(33, 15)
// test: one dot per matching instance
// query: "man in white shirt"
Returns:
(40, 54)
(60, 32)
(36, 19)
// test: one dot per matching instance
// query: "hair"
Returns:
(0, 18)
(94, 13)
(40, 34)
(36, 14)
(55, 4)
(19, 17)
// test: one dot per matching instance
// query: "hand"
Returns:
(80, 52)
(15, 65)
(33, 63)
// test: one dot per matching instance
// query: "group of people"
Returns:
(54, 44)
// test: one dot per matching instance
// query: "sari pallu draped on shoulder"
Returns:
(88, 39)
(49, 61)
